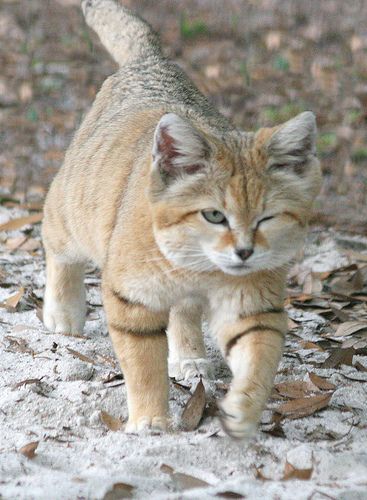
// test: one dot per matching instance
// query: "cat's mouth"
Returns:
(236, 269)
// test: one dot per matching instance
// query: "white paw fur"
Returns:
(236, 416)
(146, 423)
(189, 368)
(64, 318)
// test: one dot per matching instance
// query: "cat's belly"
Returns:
(157, 292)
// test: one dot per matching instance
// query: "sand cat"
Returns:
(182, 211)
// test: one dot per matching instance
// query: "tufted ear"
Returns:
(293, 143)
(178, 148)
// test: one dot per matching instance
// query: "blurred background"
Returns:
(260, 62)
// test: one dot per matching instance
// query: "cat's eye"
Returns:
(264, 219)
(214, 216)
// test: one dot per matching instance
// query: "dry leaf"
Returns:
(11, 302)
(360, 367)
(298, 408)
(339, 357)
(306, 344)
(295, 389)
(114, 424)
(81, 356)
(348, 286)
(119, 490)
(259, 474)
(229, 494)
(14, 243)
(321, 383)
(291, 472)
(29, 450)
(21, 221)
(28, 381)
(350, 327)
(194, 409)
(183, 481)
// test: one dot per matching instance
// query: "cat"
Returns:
(182, 212)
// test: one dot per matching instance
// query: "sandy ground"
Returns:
(50, 393)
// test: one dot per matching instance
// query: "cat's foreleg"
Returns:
(139, 340)
(187, 357)
(253, 348)
(64, 307)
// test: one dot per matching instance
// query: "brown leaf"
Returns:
(28, 381)
(183, 481)
(228, 494)
(306, 344)
(298, 408)
(194, 409)
(350, 327)
(321, 383)
(14, 243)
(291, 472)
(295, 389)
(29, 450)
(11, 302)
(114, 424)
(81, 356)
(347, 285)
(21, 221)
(259, 474)
(339, 357)
(119, 490)
(360, 367)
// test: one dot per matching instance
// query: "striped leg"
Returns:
(139, 339)
(253, 348)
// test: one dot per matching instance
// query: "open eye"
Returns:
(264, 219)
(214, 216)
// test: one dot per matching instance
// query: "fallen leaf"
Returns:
(81, 356)
(14, 243)
(339, 357)
(291, 472)
(349, 327)
(259, 474)
(119, 490)
(306, 344)
(114, 424)
(30, 245)
(28, 381)
(295, 389)
(360, 367)
(298, 408)
(21, 221)
(11, 302)
(228, 494)
(194, 408)
(348, 285)
(29, 450)
(183, 481)
(321, 382)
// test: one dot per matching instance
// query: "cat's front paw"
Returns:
(146, 423)
(190, 368)
(237, 417)
(60, 318)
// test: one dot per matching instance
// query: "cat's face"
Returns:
(239, 205)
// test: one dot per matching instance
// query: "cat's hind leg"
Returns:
(187, 357)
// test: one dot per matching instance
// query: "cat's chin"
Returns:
(240, 270)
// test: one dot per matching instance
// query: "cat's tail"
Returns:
(126, 36)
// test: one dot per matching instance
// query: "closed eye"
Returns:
(264, 219)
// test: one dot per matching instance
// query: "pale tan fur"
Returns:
(151, 158)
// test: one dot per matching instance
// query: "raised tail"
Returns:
(125, 35)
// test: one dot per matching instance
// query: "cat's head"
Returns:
(238, 204)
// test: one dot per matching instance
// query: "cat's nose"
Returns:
(244, 253)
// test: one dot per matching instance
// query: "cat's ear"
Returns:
(178, 148)
(293, 143)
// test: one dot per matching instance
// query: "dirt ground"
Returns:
(61, 397)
